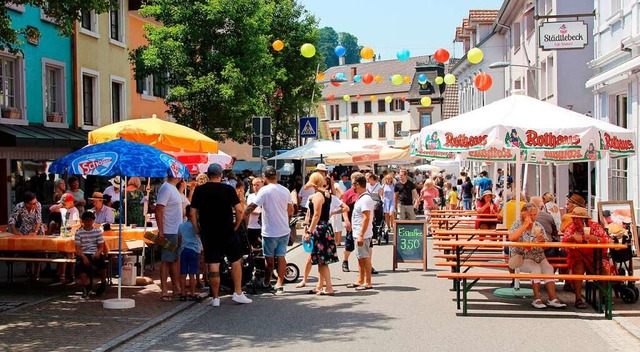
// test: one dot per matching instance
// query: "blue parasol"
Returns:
(120, 158)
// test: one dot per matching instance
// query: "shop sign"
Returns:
(563, 35)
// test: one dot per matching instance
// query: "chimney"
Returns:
(341, 61)
(354, 71)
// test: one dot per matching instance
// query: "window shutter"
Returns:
(157, 86)
(401, 104)
(139, 85)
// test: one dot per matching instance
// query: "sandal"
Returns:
(362, 288)
(313, 292)
(301, 285)
(580, 304)
(353, 285)
(325, 293)
(165, 298)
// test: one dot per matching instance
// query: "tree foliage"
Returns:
(220, 67)
(64, 12)
(329, 39)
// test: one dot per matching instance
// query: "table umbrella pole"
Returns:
(120, 246)
(145, 211)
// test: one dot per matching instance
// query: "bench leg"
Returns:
(464, 297)
(609, 298)
(10, 272)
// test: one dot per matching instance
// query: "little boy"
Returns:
(189, 254)
(452, 196)
(90, 254)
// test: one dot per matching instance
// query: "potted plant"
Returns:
(54, 117)
(9, 112)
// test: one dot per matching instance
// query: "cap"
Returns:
(88, 215)
(67, 197)
(580, 212)
(269, 172)
(321, 167)
(214, 169)
(97, 196)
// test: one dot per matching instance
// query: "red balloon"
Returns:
(358, 97)
(441, 55)
(335, 84)
(367, 79)
(483, 82)
(331, 97)
(404, 98)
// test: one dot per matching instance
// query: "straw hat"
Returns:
(97, 196)
(579, 212)
(577, 201)
(321, 167)
(616, 229)
(115, 181)
(488, 193)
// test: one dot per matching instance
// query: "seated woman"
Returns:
(583, 230)
(485, 205)
(527, 229)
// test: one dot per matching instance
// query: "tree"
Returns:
(326, 45)
(220, 67)
(64, 12)
(350, 43)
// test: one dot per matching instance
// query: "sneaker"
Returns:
(556, 304)
(345, 267)
(101, 289)
(241, 298)
(215, 302)
(538, 304)
(374, 271)
(279, 291)
(85, 293)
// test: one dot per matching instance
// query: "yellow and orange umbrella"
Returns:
(164, 135)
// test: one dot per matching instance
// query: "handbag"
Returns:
(349, 243)
(516, 261)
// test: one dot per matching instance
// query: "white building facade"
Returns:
(616, 89)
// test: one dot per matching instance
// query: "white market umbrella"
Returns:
(320, 149)
(427, 167)
(377, 152)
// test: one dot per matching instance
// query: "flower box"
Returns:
(11, 113)
(54, 117)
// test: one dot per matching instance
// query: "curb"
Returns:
(155, 321)
(627, 325)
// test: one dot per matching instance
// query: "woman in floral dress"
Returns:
(135, 202)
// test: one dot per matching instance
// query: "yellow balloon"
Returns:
(396, 79)
(425, 101)
(475, 55)
(366, 53)
(407, 79)
(388, 99)
(377, 79)
(373, 98)
(439, 80)
(278, 45)
(320, 76)
(346, 97)
(449, 78)
(307, 50)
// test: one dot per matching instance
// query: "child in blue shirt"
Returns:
(189, 253)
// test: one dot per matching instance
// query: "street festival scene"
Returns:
(300, 174)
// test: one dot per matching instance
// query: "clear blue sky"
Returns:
(421, 26)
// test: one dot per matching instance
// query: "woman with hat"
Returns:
(485, 205)
(135, 202)
(574, 201)
(114, 190)
(583, 230)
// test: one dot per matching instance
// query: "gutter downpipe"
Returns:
(74, 69)
(506, 172)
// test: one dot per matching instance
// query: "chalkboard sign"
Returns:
(410, 243)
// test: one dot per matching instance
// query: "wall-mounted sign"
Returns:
(563, 35)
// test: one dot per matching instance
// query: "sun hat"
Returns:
(67, 197)
(115, 181)
(575, 199)
(488, 193)
(97, 196)
(321, 167)
(579, 212)
(616, 229)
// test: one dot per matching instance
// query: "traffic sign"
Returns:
(308, 127)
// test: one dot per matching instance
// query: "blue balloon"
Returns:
(357, 78)
(403, 55)
(422, 78)
(340, 50)
(341, 76)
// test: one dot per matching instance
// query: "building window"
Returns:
(425, 118)
(397, 127)
(516, 36)
(54, 88)
(367, 130)
(354, 131)
(529, 23)
(151, 87)
(396, 105)
(89, 23)
(367, 107)
(117, 99)
(8, 79)
(90, 98)
(550, 77)
(616, 5)
(381, 105)
(354, 107)
(382, 130)
(116, 23)
(618, 168)
(336, 135)
(334, 112)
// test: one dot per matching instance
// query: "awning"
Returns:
(40, 136)
(614, 72)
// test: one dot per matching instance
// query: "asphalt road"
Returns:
(407, 310)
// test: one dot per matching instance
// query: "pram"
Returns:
(622, 259)
(380, 230)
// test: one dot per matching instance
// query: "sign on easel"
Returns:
(410, 243)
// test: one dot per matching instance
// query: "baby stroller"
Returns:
(380, 231)
(248, 262)
(622, 259)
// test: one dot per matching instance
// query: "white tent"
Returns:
(376, 152)
(320, 149)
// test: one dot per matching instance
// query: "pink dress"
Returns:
(428, 195)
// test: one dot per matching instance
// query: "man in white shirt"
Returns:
(362, 225)
(169, 218)
(277, 207)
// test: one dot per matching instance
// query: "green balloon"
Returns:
(396, 79)
(439, 80)
(308, 50)
(449, 79)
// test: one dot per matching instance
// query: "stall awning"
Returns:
(40, 136)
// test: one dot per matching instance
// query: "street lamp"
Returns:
(505, 64)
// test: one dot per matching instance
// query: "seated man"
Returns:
(90, 256)
(104, 214)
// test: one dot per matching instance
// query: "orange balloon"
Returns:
(373, 98)
(331, 97)
(335, 84)
(320, 76)
(278, 45)
(377, 78)
(366, 53)
(441, 55)
(407, 79)
(483, 82)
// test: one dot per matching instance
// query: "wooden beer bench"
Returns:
(11, 260)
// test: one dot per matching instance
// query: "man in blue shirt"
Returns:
(484, 183)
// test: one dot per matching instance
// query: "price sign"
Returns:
(410, 243)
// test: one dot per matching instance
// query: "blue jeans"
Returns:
(466, 203)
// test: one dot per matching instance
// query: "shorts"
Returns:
(336, 222)
(218, 245)
(254, 236)
(96, 264)
(189, 262)
(167, 255)
(275, 246)
(363, 252)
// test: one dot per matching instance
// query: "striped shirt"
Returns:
(89, 240)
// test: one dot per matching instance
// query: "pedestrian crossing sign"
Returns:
(308, 127)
